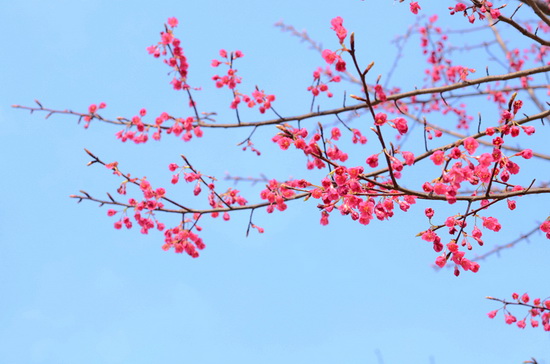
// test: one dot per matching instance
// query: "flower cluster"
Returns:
(538, 313)
(231, 80)
(481, 9)
(182, 240)
(92, 113)
(276, 193)
(144, 210)
(331, 58)
(414, 7)
(321, 79)
(171, 46)
(338, 26)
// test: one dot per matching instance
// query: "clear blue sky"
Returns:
(75, 290)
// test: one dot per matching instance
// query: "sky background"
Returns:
(75, 290)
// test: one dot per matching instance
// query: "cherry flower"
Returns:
(509, 319)
(401, 125)
(438, 157)
(338, 27)
(491, 223)
(414, 7)
(172, 22)
(470, 144)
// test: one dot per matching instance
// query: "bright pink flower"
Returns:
(429, 235)
(409, 158)
(470, 144)
(380, 95)
(427, 187)
(329, 56)
(512, 167)
(509, 319)
(528, 129)
(491, 223)
(429, 212)
(338, 27)
(111, 212)
(440, 261)
(498, 141)
(517, 105)
(545, 226)
(455, 153)
(492, 314)
(438, 157)
(476, 234)
(337, 22)
(507, 115)
(485, 159)
(324, 218)
(401, 125)
(440, 188)
(380, 118)
(495, 13)
(414, 7)
(527, 153)
(173, 22)
(460, 7)
(372, 161)
(340, 66)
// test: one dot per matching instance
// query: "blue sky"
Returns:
(75, 290)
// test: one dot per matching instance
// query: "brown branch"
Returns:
(87, 196)
(524, 31)
(541, 307)
(540, 7)
(504, 48)
(315, 45)
(462, 137)
(131, 180)
(499, 248)
(459, 142)
(394, 97)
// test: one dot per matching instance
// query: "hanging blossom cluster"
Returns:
(434, 44)
(482, 10)
(333, 58)
(171, 46)
(181, 237)
(136, 129)
(231, 80)
(537, 315)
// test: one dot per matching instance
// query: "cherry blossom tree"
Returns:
(464, 139)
